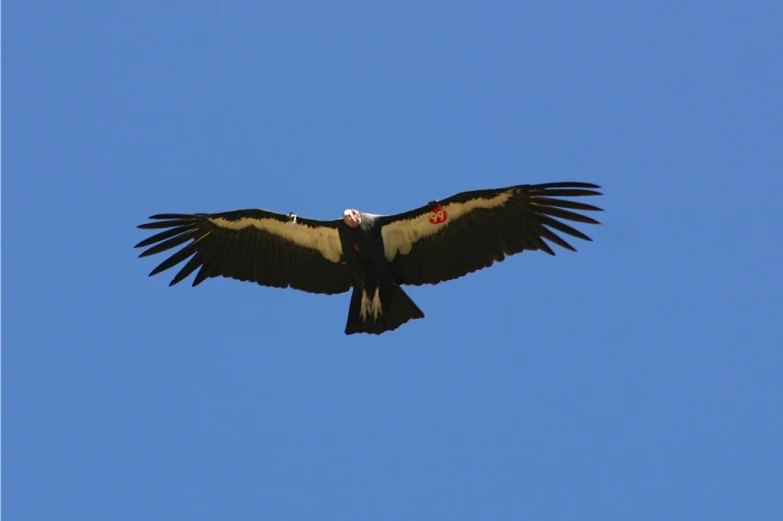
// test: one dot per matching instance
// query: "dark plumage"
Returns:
(373, 254)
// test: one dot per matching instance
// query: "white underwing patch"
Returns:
(400, 236)
(324, 239)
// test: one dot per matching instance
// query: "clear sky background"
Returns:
(638, 379)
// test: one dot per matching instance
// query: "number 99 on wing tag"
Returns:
(438, 215)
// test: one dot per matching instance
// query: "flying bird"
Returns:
(372, 254)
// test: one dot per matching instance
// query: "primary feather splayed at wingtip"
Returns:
(550, 194)
(184, 229)
(551, 209)
(567, 184)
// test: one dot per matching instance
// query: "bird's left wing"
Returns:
(260, 246)
(472, 230)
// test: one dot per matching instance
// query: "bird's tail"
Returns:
(384, 308)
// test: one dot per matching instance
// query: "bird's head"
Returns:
(352, 218)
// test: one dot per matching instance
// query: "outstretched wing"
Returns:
(259, 246)
(472, 230)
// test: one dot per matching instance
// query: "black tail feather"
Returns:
(396, 308)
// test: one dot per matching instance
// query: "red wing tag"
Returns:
(438, 215)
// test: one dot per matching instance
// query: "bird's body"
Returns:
(373, 254)
(377, 297)
(363, 254)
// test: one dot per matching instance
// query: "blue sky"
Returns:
(636, 379)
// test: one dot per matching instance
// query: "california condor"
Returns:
(373, 254)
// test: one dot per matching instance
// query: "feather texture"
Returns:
(251, 245)
(473, 230)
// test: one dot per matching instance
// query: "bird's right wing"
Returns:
(472, 230)
(260, 246)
